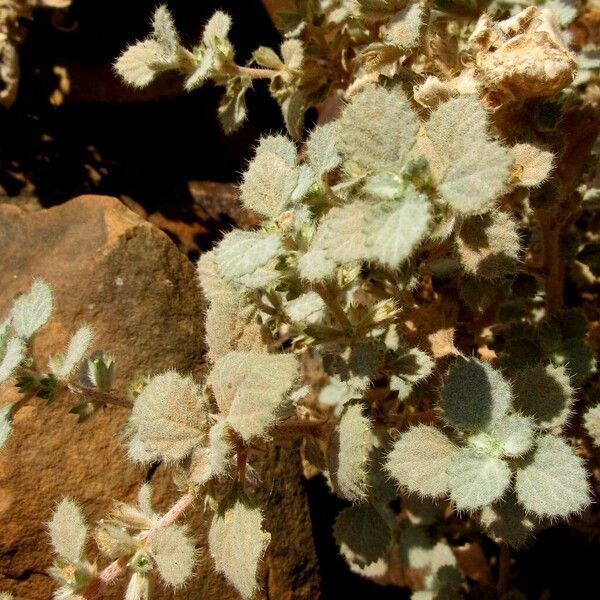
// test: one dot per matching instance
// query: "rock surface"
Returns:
(119, 273)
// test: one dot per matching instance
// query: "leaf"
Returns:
(266, 57)
(552, 481)
(489, 245)
(564, 10)
(293, 109)
(507, 522)
(170, 416)
(225, 333)
(474, 395)
(476, 479)
(472, 170)
(321, 149)
(419, 460)
(403, 29)
(271, 177)
(14, 354)
(249, 388)
(212, 283)
(377, 129)
(532, 165)
(244, 252)
(340, 234)
(348, 454)
(292, 53)
(174, 554)
(363, 535)
(136, 64)
(546, 394)
(6, 423)
(307, 309)
(314, 266)
(591, 421)
(138, 587)
(393, 229)
(68, 531)
(515, 433)
(62, 366)
(237, 543)
(232, 111)
(164, 31)
(216, 29)
(32, 310)
(213, 460)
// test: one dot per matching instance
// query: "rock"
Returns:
(120, 274)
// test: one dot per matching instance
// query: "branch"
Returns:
(552, 264)
(117, 567)
(99, 396)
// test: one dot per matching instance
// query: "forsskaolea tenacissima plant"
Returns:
(400, 307)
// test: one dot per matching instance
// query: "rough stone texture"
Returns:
(117, 272)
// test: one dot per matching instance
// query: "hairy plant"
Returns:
(440, 175)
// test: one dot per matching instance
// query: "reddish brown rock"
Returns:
(119, 273)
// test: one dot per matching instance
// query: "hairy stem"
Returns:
(99, 396)
(117, 567)
(552, 264)
(333, 304)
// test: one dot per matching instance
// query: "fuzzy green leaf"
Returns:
(14, 353)
(63, 366)
(403, 29)
(271, 177)
(552, 481)
(393, 229)
(591, 421)
(164, 31)
(348, 454)
(419, 460)
(170, 416)
(242, 253)
(237, 543)
(321, 149)
(515, 433)
(488, 245)
(507, 522)
(214, 460)
(216, 29)
(363, 535)
(307, 309)
(249, 388)
(377, 129)
(292, 53)
(68, 531)
(474, 395)
(174, 554)
(476, 479)
(545, 393)
(472, 171)
(32, 310)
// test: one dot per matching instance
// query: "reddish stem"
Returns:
(117, 567)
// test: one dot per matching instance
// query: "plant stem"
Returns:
(294, 427)
(333, 304)
(230, 68)
(552, 264)
(100, 396)
(117, 567)
(503, 570)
